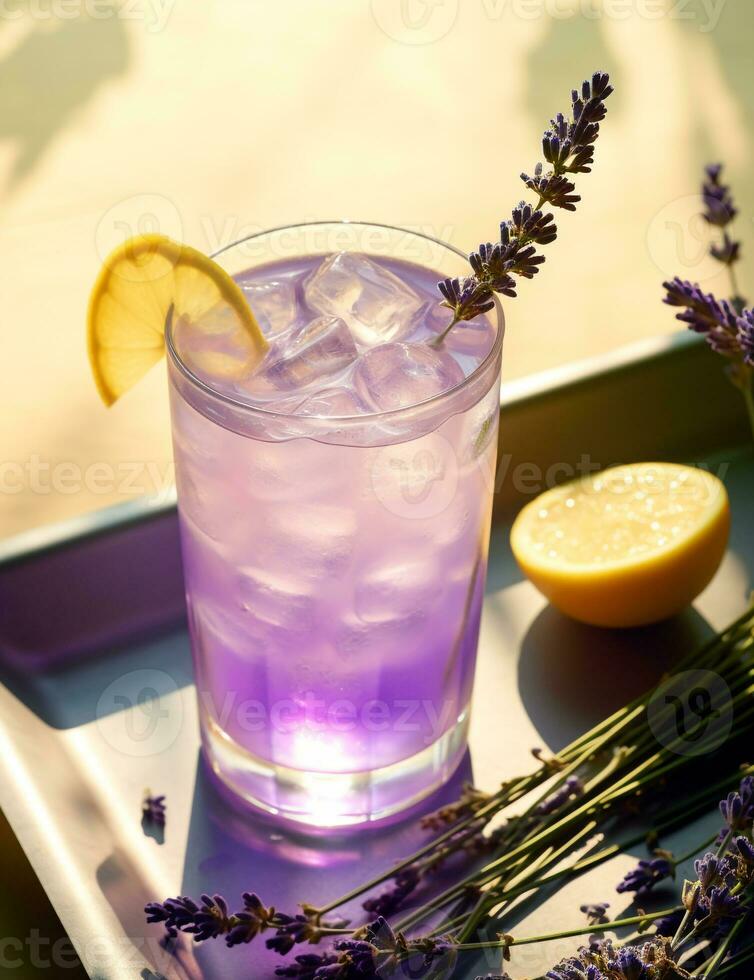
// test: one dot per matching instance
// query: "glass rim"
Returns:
(206, 389)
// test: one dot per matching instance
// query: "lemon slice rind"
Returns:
(138, 284)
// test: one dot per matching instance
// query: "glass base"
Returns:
(324, 800)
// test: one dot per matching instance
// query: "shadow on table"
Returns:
(572, 676)
(231, 850)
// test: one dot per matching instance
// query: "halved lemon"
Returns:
(628, 546)
(142, 282)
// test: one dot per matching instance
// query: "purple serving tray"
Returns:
(97, 701)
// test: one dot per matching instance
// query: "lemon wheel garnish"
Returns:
(625, 547)
(140, 283)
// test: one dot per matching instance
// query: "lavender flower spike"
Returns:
(250, 921)
(389, 901)
(716, 319)
(736, 811)
(746, 336)
(307, 966)
(727, 325)
(207, 920)
(718, 202)
(568, 148)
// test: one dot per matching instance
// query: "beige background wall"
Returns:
(212, 118)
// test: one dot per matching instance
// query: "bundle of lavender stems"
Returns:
(577, 810)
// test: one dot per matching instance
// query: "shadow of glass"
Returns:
(232, 849)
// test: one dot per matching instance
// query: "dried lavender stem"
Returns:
(688, 809)
(534, 841)
(730, 637)
(735, 961)
(484, 877)
(492, 870)
(570, 933)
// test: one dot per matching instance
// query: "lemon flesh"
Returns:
(142, 282)
(628, 546)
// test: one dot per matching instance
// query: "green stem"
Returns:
(624, 724)
(689, 809)
(735, 961)
(733, 281)
(520, 883)
(437, 342)
(678, 938)
(507, 795)
(711, 967)
(570, 933)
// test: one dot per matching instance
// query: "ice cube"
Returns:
(311, 352)
(273, 302)
(195, 502)
(287, 472)
(219, 625)
(397, 590)
(398, 375)
(373, 644)
(272, 598)
(312, 541)
(375, 303)
(336, 402)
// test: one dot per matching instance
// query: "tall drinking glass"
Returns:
(335, 559)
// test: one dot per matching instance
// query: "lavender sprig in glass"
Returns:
(568, 148)
(727, 324)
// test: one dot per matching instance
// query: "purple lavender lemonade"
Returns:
(335, 507)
